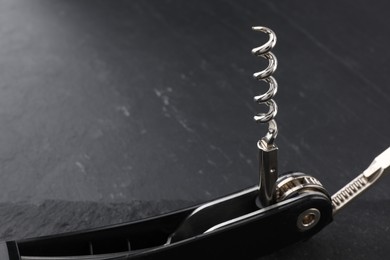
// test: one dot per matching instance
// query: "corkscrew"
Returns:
(268, 162)
(254, 222)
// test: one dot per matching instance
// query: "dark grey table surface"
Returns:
(117, 110)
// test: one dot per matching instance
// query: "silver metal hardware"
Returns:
(290, 185)
(377, 169)
(268, 163)
(268, 173)
(308, 219)
(265, 75)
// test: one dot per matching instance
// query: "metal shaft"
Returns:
(268, 173)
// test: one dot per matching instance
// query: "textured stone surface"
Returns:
(118, 110)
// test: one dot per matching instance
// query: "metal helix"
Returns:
(266, 98)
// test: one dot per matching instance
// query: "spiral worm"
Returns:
(266, 98)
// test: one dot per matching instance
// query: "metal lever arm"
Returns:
(379, 167)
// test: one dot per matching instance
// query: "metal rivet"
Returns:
(308, 219)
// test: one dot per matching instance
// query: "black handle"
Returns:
(247, 236)
(258, 235)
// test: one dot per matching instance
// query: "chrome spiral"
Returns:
(265, 75)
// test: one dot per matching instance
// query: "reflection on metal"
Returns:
(377, 169)
(268, 151)
(308, 219)
(293, 184)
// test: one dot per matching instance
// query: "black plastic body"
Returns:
(253, 235)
